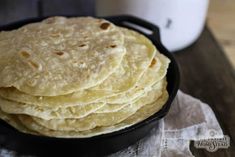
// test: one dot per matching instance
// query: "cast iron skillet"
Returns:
(102, 144)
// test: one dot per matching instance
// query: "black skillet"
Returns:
(103, 144)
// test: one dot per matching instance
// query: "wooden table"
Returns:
(205, 70)
(221, 15)
(207, 75)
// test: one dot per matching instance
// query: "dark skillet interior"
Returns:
(102, 144)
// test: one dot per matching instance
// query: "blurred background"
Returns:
(221, 20)
(181, 21)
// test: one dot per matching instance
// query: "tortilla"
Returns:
(60, 55)
(102, 119)
(47, 113)
(142, 114)
(140, 53)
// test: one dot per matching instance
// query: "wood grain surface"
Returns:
(205, 70)
(221, 20)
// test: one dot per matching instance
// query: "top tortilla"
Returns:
(60, 55)
(139, 55)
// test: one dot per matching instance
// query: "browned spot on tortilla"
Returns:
(55, 35)
(113, 46)
(104, 25)
(59, 53)
(153, 63)
(33, 64)
(82, 45)
(25, 54)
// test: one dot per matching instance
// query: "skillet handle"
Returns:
(137, 24)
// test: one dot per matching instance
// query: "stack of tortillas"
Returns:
(79, 77)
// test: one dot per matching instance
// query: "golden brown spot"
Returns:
(34, 65)
(59, 53)
(104, 25)
(82, 45)
(56, 35)
(113, 46)
(25, 54)
(153, 63)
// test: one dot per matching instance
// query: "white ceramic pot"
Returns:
(180, 21)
